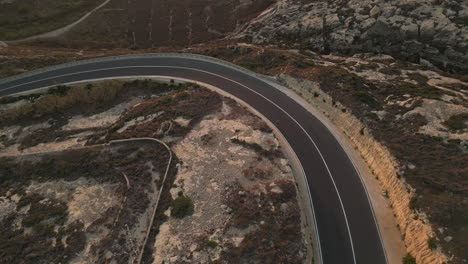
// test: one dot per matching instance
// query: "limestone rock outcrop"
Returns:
(431, 30)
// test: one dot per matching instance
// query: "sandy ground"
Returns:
(436, 112)
(105, 118)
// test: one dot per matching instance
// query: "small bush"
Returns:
(413, 204)
(408, 259)
(181, 207)
(432, 243)
(211, 244)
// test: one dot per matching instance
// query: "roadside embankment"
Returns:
(414, 227)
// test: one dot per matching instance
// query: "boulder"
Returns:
(427, 29)
(410, 31)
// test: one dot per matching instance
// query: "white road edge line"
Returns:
(330, 128)
(273, 103)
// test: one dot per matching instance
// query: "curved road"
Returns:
(347, 229)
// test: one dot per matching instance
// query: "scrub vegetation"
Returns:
(38, 220)
(181, 207)
(275, 236)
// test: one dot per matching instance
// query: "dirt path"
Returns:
(140, 254)
(57, 32)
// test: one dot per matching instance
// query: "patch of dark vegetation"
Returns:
(253, 173)
(191, 102)
(366, 66)
(46, 135)
(409, 259)
(63, 101)
(211, 243)
(277, 238)
(417, 77)
(102, 165)
(13, 99)
(264, 61)
(432, 243)
(457, 123)
(268, 153)
(240, 113)
(40, 212)
(366, 98)
(35, 246)
(390, 71)
(182, 206)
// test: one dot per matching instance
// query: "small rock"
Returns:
(411, 30)
(262, 222)
(193, 247)
(375, 11)
(241, 193)
(441, 230)
(276, 189)
(448, 238)
(411, 166)
(284, 207)
(426, 63)
(427, 29)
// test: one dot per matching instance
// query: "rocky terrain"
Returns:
(71, 193)
(81, 205)
(241, 196)
(388, 76)
(430, 31)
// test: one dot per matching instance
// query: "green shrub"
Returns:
(182, 206)
(408, 259)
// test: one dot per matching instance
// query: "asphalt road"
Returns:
(347, 229)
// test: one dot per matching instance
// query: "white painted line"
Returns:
(220, 76)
